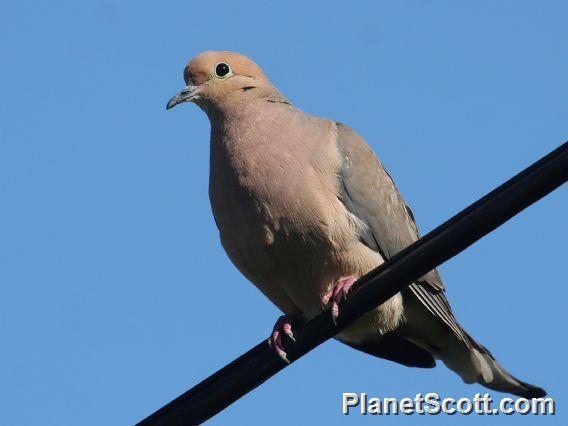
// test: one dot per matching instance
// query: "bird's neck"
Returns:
(238, 130)
(241, 103)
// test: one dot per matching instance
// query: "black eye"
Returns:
(222, 69)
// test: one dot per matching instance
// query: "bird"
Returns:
(304, 207)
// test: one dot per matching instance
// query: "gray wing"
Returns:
(369, 193)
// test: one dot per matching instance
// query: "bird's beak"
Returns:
(187, 94)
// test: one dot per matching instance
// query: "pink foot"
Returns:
(283, 325)
(339, 290)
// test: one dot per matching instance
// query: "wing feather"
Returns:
(369, 193)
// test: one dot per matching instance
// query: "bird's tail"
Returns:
(476, 364)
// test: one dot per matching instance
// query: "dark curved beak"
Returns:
(187, 94)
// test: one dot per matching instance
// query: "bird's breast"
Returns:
(274, 195)
(263, 185)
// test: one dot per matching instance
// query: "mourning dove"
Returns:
(304, 207)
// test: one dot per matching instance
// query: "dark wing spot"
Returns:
(409, 211)
(388, 174)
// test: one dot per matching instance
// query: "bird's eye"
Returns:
(222, 69)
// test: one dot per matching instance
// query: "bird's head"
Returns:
(215, 79)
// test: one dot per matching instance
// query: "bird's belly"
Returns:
(290, 267)
(294, 272)
(294, 257)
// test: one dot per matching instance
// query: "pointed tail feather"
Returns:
(474, 363)
(493, 376)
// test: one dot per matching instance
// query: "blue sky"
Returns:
(115, 294)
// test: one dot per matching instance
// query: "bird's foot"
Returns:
(283, 326)
(333, 296)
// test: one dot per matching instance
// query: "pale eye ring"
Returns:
(222, 70)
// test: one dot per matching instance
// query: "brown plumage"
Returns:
(303, 204)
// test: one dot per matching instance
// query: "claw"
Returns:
(287, 328)
(333, 297)
(283, 325)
